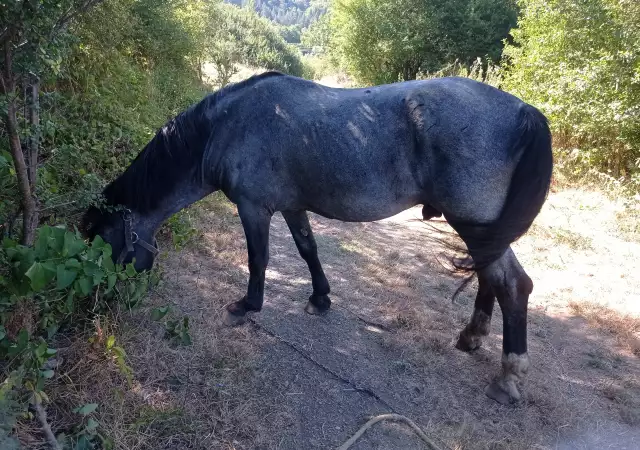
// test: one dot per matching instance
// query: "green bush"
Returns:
(47, 287)
(580, 63)
(383, 42)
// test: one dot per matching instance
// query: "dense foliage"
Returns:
(85, 85)
(380, 41)
(238, 35)
(580, 63)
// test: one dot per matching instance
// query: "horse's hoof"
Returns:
(503, 392)
(232, 320)
(236, 313)
(468, 342)
(318, 305)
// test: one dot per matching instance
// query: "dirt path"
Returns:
(294, 381)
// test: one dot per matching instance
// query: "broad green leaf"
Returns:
(98, 276)
(47, 373)
(73, 264)
(86, 409)
(65, 277)
(41, 349)
(57, 239)
(8, 243)
(111, 281)
(159, 313)
(84, 285)
(72, 245)
(49, 266)
(130, 270)
(39, 276)
(69, 304)
(107, 263)
(106, 251)
(98, 243)
(41, 245)
(110, 341)
(92, 425)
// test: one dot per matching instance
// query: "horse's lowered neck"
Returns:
(186, 194)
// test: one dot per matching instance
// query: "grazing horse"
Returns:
(465, 150)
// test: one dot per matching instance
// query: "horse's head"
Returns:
(130, 236)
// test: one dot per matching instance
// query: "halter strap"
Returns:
(131, 238)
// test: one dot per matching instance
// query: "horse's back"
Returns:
(363, 154)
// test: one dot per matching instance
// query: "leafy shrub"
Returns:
(384, 42)
(580, 63)
(44, 288)
(240, 36)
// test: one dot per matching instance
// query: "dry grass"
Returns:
(624, 327)
(583, 331)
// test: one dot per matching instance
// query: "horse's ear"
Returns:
(89, 222)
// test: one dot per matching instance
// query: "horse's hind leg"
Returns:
(512, 287)
(480, 324)
(255, 221)
(300, 228)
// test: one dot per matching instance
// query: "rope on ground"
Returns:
(332, 372)
(395, 417)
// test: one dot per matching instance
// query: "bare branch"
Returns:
(46, 428)
(72, 13)
(29, 212)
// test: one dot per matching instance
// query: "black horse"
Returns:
(473, 153)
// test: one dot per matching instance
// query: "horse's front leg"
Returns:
(255, 221)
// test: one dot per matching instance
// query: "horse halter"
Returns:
(131, 238)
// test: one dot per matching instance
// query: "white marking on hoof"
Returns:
(505, 389)
(515, 366)
(231, 320)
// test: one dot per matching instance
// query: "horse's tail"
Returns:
(528, 190)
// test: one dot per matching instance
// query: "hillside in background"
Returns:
(292, 15)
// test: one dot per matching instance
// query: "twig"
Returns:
(57, 206)
(46, 428)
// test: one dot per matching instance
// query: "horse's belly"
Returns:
(363, 208)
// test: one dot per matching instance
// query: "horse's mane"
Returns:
(175, 152)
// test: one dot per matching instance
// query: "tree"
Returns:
(32, 37)
(318, 34)
(580, 63)
(240, 36)
(381, 42)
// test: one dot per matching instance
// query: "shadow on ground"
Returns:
(292, 381)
